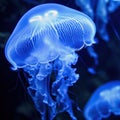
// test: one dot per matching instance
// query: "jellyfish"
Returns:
(99, 11)
(44, 44)
(104, 102)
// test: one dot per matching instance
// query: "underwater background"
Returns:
(16, 104)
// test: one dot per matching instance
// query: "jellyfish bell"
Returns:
(104, 101)
(45, 28)
(44, 41)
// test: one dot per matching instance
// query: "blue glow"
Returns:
(104, 101)
(44, 44)
(99, 11)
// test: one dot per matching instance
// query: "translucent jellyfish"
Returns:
(104, 101)
(99, 11)
(43, 44)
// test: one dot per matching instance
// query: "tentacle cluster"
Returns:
(51, 96)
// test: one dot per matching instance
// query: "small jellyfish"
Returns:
(104, 101)
(43, 44)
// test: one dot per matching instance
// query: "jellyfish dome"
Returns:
(43, 44)
(104, 101)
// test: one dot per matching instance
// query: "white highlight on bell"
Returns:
(48, 15)
(105, 94)
(108, 94)
(51, 13)
(36, 18)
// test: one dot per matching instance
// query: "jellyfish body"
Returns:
(43, 44)
(104, 101)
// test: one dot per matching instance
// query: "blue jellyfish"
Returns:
(104, 101)
(99, 11)
(43, 44)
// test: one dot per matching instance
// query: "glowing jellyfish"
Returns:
(44, 44)
(104, 101)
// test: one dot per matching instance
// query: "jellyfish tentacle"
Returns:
(66, 77)
(39, 89)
